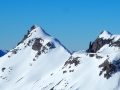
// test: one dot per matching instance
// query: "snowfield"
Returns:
(41, 62)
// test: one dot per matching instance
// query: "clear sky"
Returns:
(74, 22)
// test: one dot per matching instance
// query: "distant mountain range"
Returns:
(41, 62)
(2, 52)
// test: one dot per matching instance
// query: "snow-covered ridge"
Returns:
(107, 35)
(37, 32)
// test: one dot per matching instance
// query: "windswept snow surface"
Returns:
(55, 68)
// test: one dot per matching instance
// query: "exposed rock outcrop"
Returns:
(98, 57)
(33, 27)
(108, 67)
(101, 41)
(14, 51)
(72, 60)
(26, 36)
(97, 44)
(50, 45)
(3, 69)
(91, 55)
(37, 45)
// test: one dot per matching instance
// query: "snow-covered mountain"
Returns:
(41, 62)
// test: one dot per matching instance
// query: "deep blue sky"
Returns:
(74, 22)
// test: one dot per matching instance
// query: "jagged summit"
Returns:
(105, 38)
(105, 34)
(38, 30)
(34, 32)
(40, 38)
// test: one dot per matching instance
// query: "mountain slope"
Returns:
(25, 58)
(41, 62)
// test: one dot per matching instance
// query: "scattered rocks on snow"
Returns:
(72, 60)
(29, 42)
(34, 59)
(14, 51)
(9, 56)
(3, 69)
(64, 72)
(50, 45)
(98, 57)
(108, 67)
(44, 50)
(71, 70)
(91, 55)
(51, 74)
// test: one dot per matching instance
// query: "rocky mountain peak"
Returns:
(34, 32)
(104, 38)
(105, 34)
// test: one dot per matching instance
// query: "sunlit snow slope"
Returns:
(41, 62)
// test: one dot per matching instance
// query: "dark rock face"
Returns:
(50, 45)
(26, 36)
(108, 67)
(100, 42)
(38, 54)
(33, 27)
(37, 45)
(40, 48)
(97, 44)
(117, 43)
